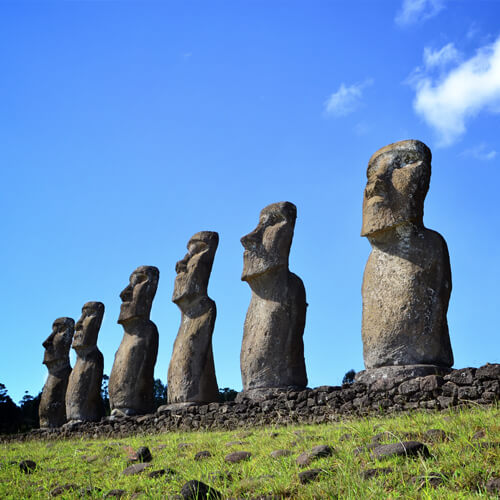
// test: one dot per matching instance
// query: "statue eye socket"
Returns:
(197, 247)
(139, 278)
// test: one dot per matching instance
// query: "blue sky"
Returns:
(128, 126)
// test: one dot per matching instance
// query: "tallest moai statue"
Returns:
(407, 279)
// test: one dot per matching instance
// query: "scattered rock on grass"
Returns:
(280, 453)
(157, 473)
(237, 456)
(404, 448)
(371, 473)
(303, 459)
(493, 485)
(202, 455)
(27, 466)
(141, 455)
(194, 490)
(63, 488)
(307, 476)
(319, 451)
(235, 443)
(131, 470)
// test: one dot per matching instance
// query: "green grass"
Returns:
(463, 466)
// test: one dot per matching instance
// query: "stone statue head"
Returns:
(398, 177)
(267, 247)
(87, 327)
(57, 344)
(137, 297)
(193, 271)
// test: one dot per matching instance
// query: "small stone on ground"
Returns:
(135, 469)
(309, 475)
(202, 454)
(405, 448)
(27, 466)
(237, 456)
(493, 485)
(370, 473)
(280, 453)
(196, 490)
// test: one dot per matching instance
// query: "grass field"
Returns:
(459, 465)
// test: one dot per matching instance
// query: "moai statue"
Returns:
(83, 396)
(52, 410)
(191, 373)
(132, 376)
(407, 279)
(272, 351)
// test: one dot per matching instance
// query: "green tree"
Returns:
(160, 393)
(349, 377)
(105, 394)
(10, 414)
(227, 394)
(29, 410)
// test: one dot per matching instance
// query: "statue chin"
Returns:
(258, 267)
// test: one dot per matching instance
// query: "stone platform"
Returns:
(434, 392)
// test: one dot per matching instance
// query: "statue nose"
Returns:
(251, 239)
(375, 188)
(48, 341)
(181, 265)
(126, 293)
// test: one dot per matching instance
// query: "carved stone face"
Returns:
(87, 327)
(193, 271)
(397, 182)
(57, 344)
(267, 247)
(137, 297)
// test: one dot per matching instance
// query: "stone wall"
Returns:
(467, 386)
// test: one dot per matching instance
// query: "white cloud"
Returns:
(445, 103)
(480, 153)
(414, 11)
(346, 99)
(441, 57)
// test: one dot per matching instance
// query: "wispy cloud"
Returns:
(481, 152)
(414, 11)
(346, 99)
(441, 57)
(446, 102)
